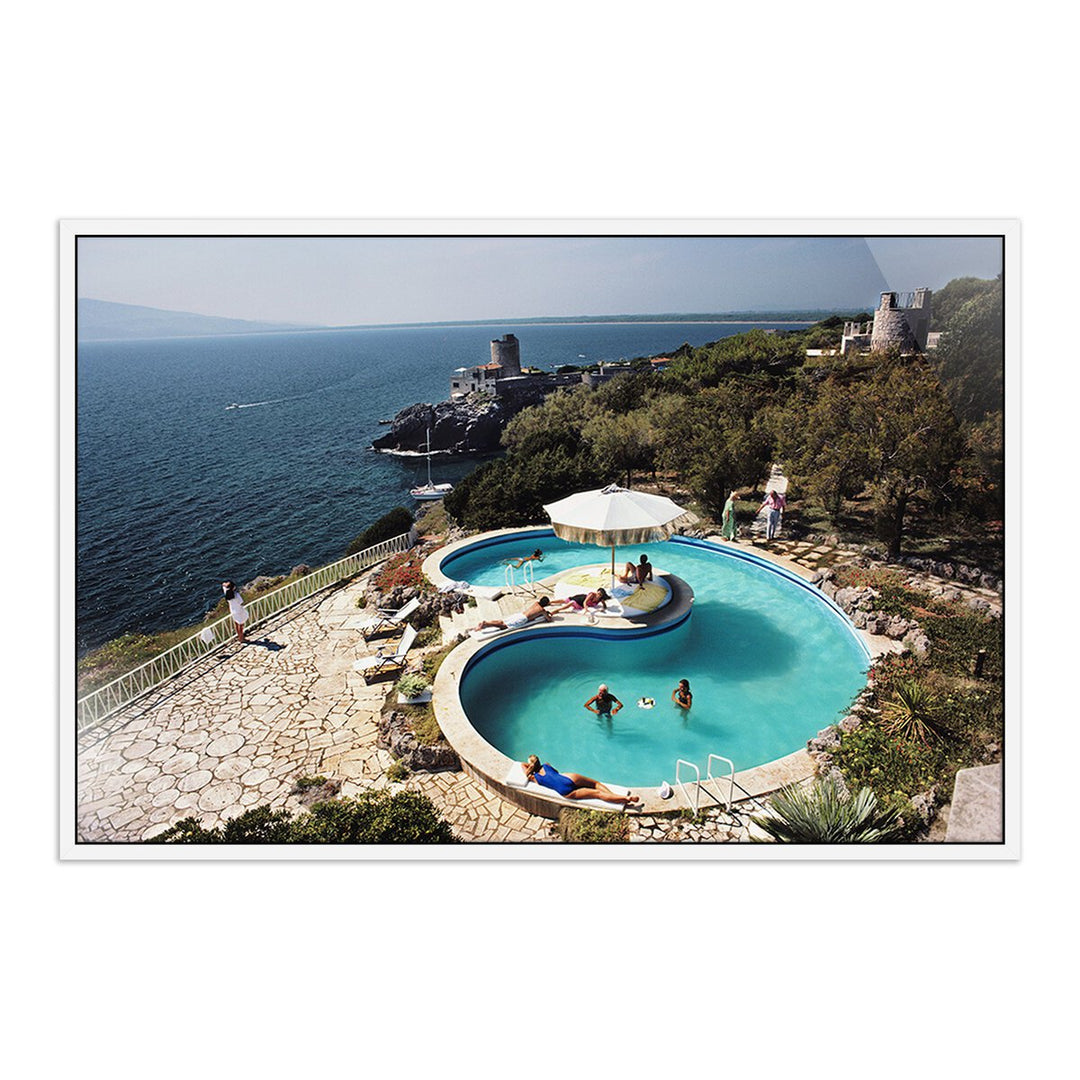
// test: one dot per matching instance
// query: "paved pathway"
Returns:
(241, 727)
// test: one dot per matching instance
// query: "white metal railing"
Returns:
(698, 784)
(527, 579)
(715, 780)
(100, 703)
(693, 803)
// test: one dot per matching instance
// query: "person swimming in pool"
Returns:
(536, 556)
(605, 701)
(681, 695)
(572, 785)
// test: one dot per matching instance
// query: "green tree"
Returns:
(970, 358)
(395, 523)
(949, 300)
(913, 443)
(824, 440)
(622, 443)
(714, 440)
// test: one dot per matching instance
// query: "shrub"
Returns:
(402, 572)
(955, 641)
(890, 669)
(412, 684)
(398, 521)
(824, 813)
(398, 771)
(894, 768)
(374, 817)
(260, 825)
(592, 827)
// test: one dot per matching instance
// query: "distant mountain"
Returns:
(101, 320)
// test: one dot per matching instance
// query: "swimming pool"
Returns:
(769, 659)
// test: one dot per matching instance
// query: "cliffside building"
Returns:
(505, 364)
(901, 319)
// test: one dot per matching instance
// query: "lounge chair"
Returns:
(385, 659)
(388, 620)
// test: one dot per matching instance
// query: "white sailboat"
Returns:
(430, 490)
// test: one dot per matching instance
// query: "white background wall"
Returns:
(255, 110)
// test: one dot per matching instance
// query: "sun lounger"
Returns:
(384, 659)
(515, 778)
(387, 620)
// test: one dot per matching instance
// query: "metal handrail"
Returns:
(715, 780)
(107, 699)
(681, 785)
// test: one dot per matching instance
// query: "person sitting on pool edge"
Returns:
(536, 610)
(572, 785)
(537, 556)
(637, 575)
(606, 702)
(681, 695)
(584, 601)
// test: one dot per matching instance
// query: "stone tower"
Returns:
(506, 352)
(903, 321)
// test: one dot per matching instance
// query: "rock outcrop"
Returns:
(457, 427)
(395, 735)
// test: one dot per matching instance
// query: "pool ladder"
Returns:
(709, 779)
(526, 578)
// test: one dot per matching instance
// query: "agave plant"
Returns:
(824, 812)
(912, 712)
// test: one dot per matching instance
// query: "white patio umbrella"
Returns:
(616, 515)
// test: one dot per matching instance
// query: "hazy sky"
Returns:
(341, 281)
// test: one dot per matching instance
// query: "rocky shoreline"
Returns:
(457, 427)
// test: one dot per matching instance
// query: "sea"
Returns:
(211, 458)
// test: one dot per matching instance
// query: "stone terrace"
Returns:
(243, 725)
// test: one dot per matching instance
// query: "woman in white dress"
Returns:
(236, 608)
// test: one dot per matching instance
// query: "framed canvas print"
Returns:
(539, 539)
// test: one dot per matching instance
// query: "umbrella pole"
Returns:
(612, 569)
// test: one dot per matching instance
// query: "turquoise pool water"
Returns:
(769, 661)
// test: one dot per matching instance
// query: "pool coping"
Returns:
(490, 766)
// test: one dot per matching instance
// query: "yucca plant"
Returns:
(912, 712)
(826, 813)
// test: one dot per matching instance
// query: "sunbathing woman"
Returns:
(584, 601)
(572, 785)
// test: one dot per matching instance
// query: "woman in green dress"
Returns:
(727, 521)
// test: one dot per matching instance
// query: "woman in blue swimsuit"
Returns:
(572, 785)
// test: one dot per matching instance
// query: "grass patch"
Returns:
(433, 661)
(592, 827)
(423, 724)
(433, 521)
